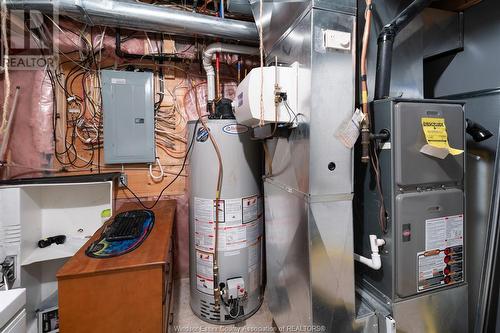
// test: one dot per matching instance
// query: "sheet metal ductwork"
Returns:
(144, 17)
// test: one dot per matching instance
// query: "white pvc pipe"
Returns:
(374, 262)
(209, 68)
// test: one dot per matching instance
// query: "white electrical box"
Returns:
(247, 106)
(339, 40)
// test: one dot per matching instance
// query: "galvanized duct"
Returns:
(145, 17)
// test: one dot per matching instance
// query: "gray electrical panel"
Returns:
(128, 110)
(423, 257)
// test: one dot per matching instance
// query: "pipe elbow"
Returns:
(388, 34)
(375, 262)
(208, 54)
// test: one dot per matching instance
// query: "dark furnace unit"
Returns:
(421, 284)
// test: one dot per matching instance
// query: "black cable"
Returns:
(173, 180)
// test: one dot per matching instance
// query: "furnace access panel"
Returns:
(128, 110)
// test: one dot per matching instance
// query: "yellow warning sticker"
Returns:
(437, 138)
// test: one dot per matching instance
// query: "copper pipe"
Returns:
(365, 126)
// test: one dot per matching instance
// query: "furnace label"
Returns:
(439, 268)
(444, 232)
(204, 272)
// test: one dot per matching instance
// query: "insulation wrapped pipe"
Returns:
(134, 15)
(209, 68)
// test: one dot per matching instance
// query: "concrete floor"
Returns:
(185, 321)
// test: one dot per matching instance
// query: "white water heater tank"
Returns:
(240, 231)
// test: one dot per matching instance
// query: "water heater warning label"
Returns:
(254, 265)
(240, 223)
(252, 208)
(203, 209)
(232, 238)
(444, 232)
(204, 235)
(204, 272)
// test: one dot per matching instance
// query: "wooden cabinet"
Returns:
(128, 293)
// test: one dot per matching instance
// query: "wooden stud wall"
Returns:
(139, 179)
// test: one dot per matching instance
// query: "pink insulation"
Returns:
(30, 144)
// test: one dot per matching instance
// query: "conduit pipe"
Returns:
(375, 261)
(385, 44)
(135, 15)
(209, 68)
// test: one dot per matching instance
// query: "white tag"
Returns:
(348, 132)
(115, 80)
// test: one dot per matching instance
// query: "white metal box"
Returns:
(247, 109)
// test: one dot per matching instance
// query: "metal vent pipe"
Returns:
(134, 15)
(385, 44)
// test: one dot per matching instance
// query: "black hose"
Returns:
(385, 45)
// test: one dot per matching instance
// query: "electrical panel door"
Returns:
(128, 107)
